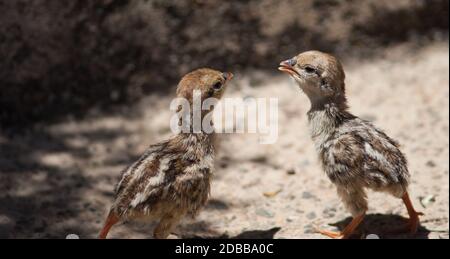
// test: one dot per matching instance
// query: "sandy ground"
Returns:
(58, 180)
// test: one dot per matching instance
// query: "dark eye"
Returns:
(310, 70)
(217, 86)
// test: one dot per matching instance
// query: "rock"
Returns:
(265, 213)
(5, 220)
(307, 195)
(223, 164)
(291, 171)
(329, 212)
(431, 164)
(272, 194)
(72, 236)
(299, 211)
(311, 215)
(291, 219)
(261, 159)
(309, 229)
(305, 163)
(372, 236)
(427, 200)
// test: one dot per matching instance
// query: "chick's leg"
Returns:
(414, 221)
(355, 200)
(165, 226)
(110, 221)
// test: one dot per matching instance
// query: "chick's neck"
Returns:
(327, 114)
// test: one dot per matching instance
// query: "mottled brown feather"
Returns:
(172, 178)
(354, 154)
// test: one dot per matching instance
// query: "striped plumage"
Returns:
(172, 178)
(354, 154)
(176, 172)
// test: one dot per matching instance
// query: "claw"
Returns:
(346, 233)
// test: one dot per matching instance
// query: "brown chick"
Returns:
(172, 178)
(354, 154)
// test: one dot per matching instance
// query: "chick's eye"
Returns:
(217, 85)
(310, 70)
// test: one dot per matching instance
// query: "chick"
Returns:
(354, 154)
(172, 178)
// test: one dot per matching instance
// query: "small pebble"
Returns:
(307, 195)
(5, 220)
(427, 200)
(291, 171)
(329, 212)
(291, 219)
(272, 194)
(259, 159)
(265, 213)
(431, 164)
(299, 211)
(309, 229)
(72, 236)
(305, 163)
(372, 236)
(311, 215)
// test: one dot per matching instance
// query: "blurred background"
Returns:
(85, 86)
(64, 57)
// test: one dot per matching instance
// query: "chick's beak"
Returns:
(287, 66)
(227, 76)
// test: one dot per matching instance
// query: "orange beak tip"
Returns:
(283, 69)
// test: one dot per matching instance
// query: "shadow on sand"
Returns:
(383, 225)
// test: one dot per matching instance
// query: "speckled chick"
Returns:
(172, 179)
(354, 154)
